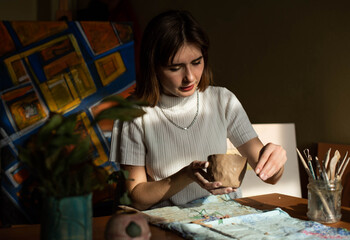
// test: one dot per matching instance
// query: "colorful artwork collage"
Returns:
(64, 67)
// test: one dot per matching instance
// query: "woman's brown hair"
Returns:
(164, 35)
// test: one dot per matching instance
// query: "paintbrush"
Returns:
(325, 162)
(323, 172)
(309, 162)
(319, 170)
(333, 164)
(304, 164)
(342, 163)
(344, 167)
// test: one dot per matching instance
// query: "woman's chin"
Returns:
(185, 93)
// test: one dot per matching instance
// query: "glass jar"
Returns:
(324, 201)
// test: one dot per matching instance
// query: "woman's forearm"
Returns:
(267, 161)
(146, 194)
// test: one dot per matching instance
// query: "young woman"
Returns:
(165, 151)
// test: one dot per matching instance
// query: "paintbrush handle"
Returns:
(344, 167)
(311, 169)
(304, 163)
(324, 174)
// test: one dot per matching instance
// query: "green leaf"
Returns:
(125, 110)
(100, 175)
(64, 140)
(80, 153)
(48, 188)
(125, 174)
(25, 156)
(124, 199)
(58, 169)
(52, 124)
(123, 114)
(86, 178)
(68, 125)
(52, 158)
(125, 102)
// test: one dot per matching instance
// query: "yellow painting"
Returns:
(110, 67)
(97, 150)
(59, 94)
(68, 79)
(25, 107)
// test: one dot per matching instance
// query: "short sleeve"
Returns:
(239, 127)
(130, 143)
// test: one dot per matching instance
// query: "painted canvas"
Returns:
(64, 67)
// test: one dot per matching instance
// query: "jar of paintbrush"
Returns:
(324, 188)
(324, 200)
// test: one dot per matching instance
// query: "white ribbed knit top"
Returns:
(154, 142)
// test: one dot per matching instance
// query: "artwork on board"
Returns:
(100, 36)
(64, 67)
(24, 107)
(7, 43)
(29, 32)
(110, 67)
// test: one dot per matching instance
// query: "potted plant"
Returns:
(60, 157)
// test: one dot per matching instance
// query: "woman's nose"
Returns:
(189, 76)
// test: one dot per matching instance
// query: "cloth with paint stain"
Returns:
(219, 217)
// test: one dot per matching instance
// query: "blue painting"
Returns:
(64, 67)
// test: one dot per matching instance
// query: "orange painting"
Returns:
(100, 35)
(30, 32)
(124, 32)
(7, 44)
(57, 49)
(20, 71)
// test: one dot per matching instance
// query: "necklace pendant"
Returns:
(193, 121)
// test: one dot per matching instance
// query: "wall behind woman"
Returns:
(18, 10)
(287, 61)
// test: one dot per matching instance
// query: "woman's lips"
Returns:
(188, 88)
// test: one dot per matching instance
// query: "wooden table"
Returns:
(296, 207)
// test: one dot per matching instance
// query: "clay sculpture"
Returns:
(229, 169)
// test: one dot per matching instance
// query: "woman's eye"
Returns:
(196, 63)
(174, 69)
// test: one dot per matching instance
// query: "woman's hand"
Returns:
(267, 161)
(196, 171)
(272, 158)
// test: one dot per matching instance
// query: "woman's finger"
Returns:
(272, 158)
(220, 191)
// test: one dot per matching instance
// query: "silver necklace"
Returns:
(176, 125)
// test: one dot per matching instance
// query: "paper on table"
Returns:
(243, 222)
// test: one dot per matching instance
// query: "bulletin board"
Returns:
(64, 67)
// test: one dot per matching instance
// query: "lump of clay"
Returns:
(229, 169)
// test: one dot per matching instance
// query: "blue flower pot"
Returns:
(67, 218)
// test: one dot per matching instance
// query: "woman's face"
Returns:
(181, 77)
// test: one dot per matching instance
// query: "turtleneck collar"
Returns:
(174, 102)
